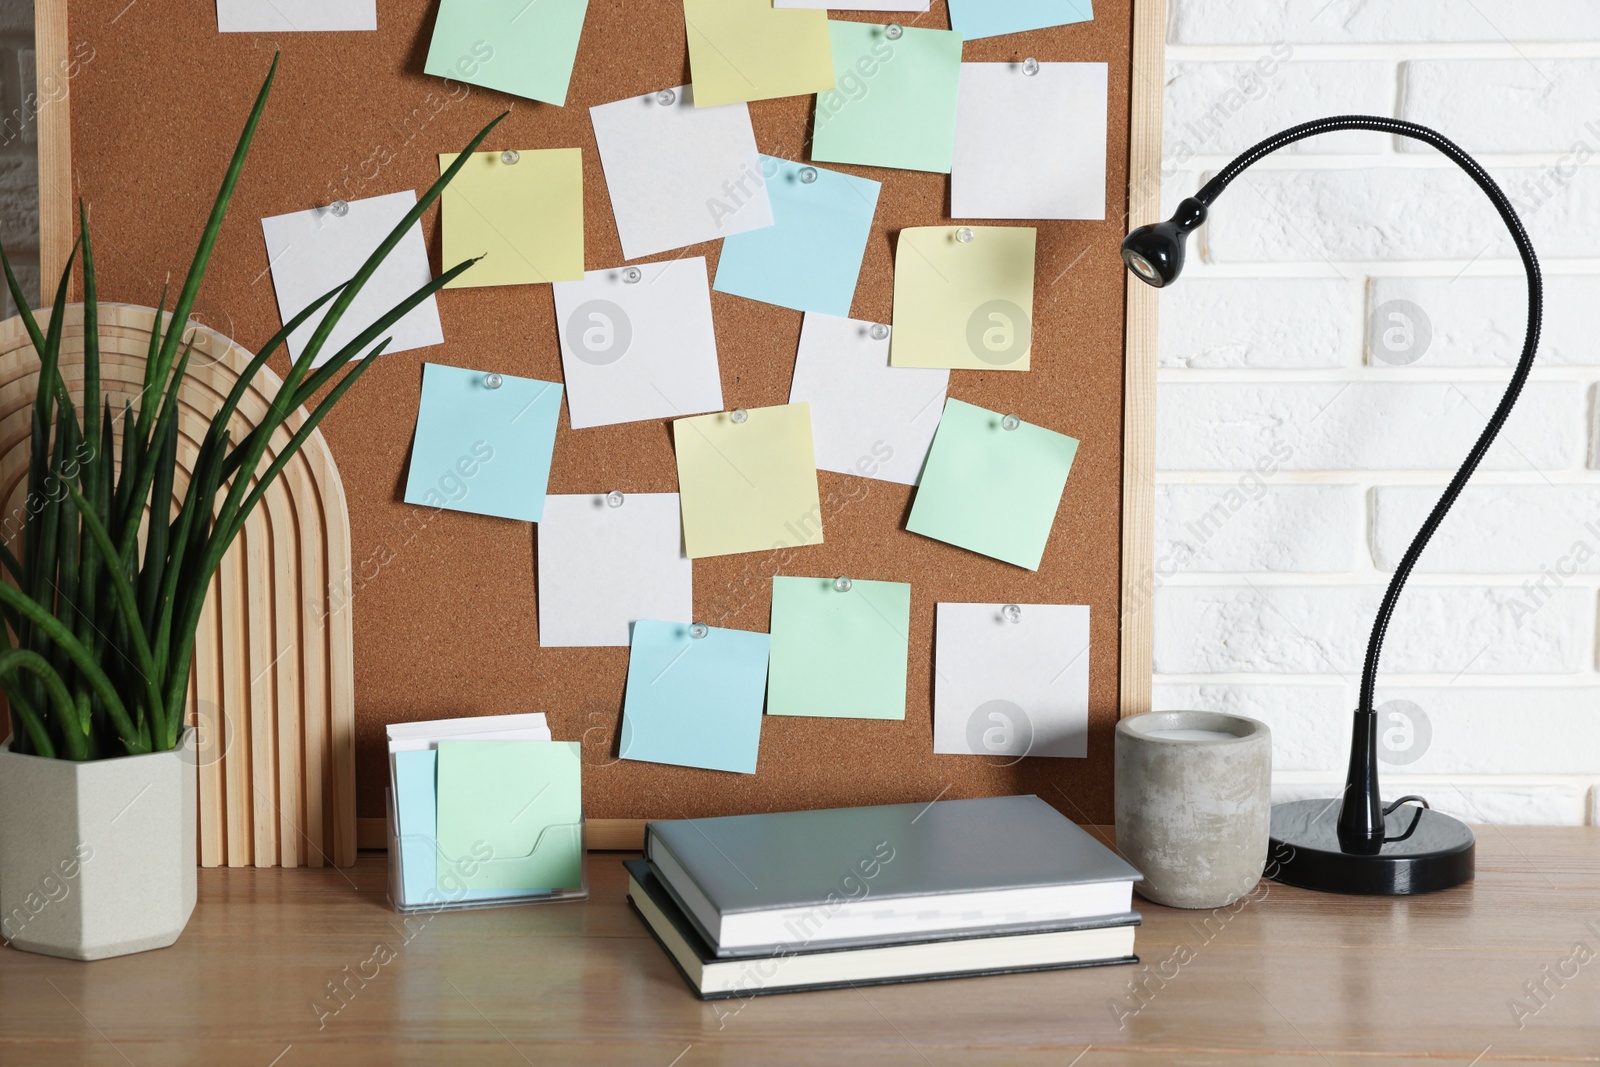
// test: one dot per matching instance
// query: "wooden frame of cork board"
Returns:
(140, 108)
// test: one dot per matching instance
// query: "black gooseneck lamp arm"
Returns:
(1155, 255)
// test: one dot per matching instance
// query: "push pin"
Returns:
(666, 98)
(965, 235)
(843, 584)
(808, 175)
(893, 31)
(699, 630)
(632, 275)
(510, 156)
(1030, 66)
(739, 416)
(493, 381)
(879, 331)
(614, 499)
(1010, 422)
(1012, 612)
(339, 209)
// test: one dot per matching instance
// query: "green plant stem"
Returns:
(123, 592)
(63, 639)
(22, 660)
(36, 735)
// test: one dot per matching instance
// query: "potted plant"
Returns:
(97, 780)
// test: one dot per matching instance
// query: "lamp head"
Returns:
(1154, 253)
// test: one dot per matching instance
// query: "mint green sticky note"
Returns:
(990, 489)
(838, 653)
(483, 443)
(509, 815)
(522, 47)
(894, 104)
(416, 811)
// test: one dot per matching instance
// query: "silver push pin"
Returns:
(632, 275)
(739, 416)
(699, 630)
(965, 235)
(614, 499)
(894, 31)
(493, 381)
(339, 209)
(1030, 66)
(666, 97)
(1012, 612)
(510, 156)
(843, 584)
(1010, 422)
(879, 331)
(808, 175)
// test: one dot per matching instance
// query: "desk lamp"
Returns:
(1355, 843)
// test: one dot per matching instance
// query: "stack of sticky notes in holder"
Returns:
(483, 812)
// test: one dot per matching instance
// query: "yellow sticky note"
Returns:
(750, 485)
(963, 298)
(743, 50)
(521, 211)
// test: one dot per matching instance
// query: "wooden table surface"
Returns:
(1287, 978)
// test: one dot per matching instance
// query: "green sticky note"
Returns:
(964, 304)
(742, 50)
(838, 653)
(894, 101)
(991, 489)
(510, 814)
(522, 47)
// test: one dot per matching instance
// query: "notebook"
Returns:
(877, 875)
(714, 978)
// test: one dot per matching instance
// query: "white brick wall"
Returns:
(1301, 323)
(1367, 425)
(1399, 213)
(1447, 630)
(1495, 529)
(1381, 21)
(1252, 525)
(1341, 334)
(1505, 105)
(1479, 322)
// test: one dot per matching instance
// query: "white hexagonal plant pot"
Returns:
(97, 859)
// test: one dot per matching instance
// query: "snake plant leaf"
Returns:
(122, 591)
(62, 638)
(322, 375)
(208, 236)
(114, 569)
(353, 289)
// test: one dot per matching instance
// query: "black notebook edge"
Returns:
(723, 955)
(654, 889)
(652, 843)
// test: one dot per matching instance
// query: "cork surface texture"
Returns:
(445, 605)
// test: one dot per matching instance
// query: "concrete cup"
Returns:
(1194, 804)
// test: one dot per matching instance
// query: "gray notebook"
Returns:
(899, 872)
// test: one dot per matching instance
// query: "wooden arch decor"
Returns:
(272, 690)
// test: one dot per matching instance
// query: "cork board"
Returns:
(445, 605)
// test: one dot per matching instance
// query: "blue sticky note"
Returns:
(991, 18)
(810, 258)
(480, 448)
(694, 701)
(416, 811)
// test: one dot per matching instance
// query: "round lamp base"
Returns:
(1425, 852)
